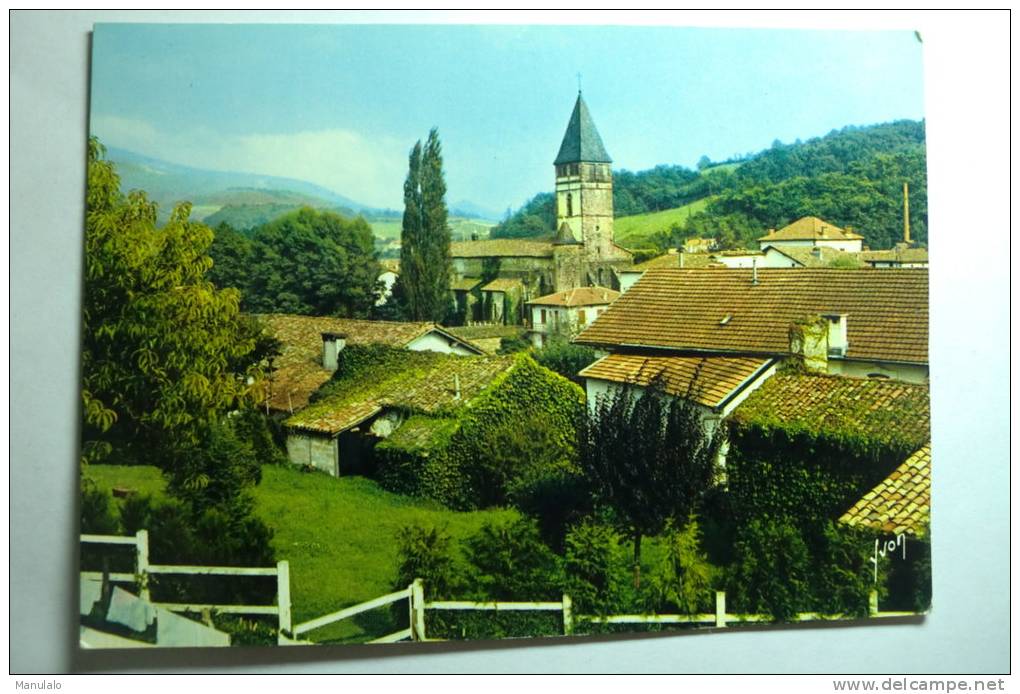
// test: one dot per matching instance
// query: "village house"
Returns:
(725, 331)
(388, 277)
(310, 344)
(810, 232)
(902, 255)
(493, 278)
(566, 313)
(671, 259)
(899, 504)
(338, 433)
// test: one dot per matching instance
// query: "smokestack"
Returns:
(906, 213)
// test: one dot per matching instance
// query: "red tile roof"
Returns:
(901, 503)
(709, 381)
(684, 310)
(579, 296)
(810, 228)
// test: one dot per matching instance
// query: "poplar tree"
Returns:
(424, 282)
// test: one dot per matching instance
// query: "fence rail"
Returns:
(143, 570)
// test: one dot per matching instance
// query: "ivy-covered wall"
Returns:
(778, 472)
(440, 458)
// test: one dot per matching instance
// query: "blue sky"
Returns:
(341, 106)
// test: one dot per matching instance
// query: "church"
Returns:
(493, 279)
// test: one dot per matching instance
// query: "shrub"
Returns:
(683, 580)
(97, 512)
(511, 562)
(565, 358)
(771, 571)
(557, 496)
(216, 471)
(596, 568)
(842, 575)
(425, 553)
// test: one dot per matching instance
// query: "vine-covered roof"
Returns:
(424, 382)
(298, 370)
(901, 503)
(880, 410)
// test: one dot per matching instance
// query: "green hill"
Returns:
(634, 231)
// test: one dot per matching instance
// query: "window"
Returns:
(570, 204)
(583, 316)
(543, 316)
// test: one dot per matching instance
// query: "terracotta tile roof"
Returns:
(472, 332)
(504, 284)
(715, 378)
(579, 296)
(465, 284)
(426, 383)
(887, 311)
(896, 255)
(884, 411)
(817, 256)
(672, 260)
(298, 370)
(489, 248)
(810, 228)
(901, 503)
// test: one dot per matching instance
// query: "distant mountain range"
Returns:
(243, 200)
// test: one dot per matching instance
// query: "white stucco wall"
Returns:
(774, 258)
(736, 261)
(435, 342)
(851, 246)
(627, 279)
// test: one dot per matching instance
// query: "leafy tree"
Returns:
(537, 217)
(565, 358)
(313, 262)
(164, 354)
(424, 279)
(649, 457)
(231, 253)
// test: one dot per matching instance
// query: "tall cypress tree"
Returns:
(424, 282)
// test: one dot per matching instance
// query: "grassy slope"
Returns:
(337, 534)
(633, 231)
(460, 228)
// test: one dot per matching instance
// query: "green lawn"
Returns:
(460, 228)
(633, 231)
(337, 533)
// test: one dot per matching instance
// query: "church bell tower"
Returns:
(584, 186)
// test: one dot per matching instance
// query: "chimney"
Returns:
(456, 387)
(836, 334)
(816, 251)
(809, 343)
(754, 271)
(906, 213)
(680, 256)
(332, 345)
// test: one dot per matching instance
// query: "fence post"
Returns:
(283, 601)
(873, 603)
(142, 561)
(720, 608)
(417, 611)
(568, 615)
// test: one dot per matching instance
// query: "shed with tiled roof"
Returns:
(812, 231)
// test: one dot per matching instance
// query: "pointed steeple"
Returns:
(581, 142)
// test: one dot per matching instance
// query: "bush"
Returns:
(842, 575)
(510, 562)
(216, 471)
(425, 553)
(596, 567)
(683, 580)
(98, 516)
(565, 358)
(771, 572)
(557, 496)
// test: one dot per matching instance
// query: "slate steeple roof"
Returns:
(581, 142)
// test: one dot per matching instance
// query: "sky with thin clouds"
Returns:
(341, 105)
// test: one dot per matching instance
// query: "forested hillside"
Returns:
(850, 177)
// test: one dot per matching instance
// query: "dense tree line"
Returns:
(851, 177)
(309, 261)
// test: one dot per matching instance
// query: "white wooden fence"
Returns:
(143, 570)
